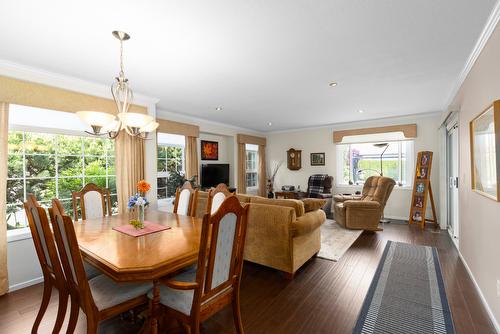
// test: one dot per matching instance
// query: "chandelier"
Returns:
(135, 124)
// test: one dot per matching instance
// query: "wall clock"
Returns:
(294, 159)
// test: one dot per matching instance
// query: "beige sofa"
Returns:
(282, 233)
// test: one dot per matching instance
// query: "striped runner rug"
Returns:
(407, 294)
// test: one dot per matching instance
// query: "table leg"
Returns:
(154, 307)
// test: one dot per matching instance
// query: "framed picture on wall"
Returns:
(318, 159)
(485, 152)
(209, 150)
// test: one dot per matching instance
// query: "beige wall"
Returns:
(479, 216)
(321, 140)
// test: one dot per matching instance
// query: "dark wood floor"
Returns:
(324, 297)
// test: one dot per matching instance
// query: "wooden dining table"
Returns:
(145, 258)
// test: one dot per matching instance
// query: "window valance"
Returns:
(178, 128)
(15, 91)
(383, 133)
(247, 139)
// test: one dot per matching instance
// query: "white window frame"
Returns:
(250, 148)
(409, 170)
(165, 174)
(24, 232)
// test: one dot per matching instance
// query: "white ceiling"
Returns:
(263, 61)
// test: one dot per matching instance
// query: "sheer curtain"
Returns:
(242, 140)
(129, 167)
(4, 133)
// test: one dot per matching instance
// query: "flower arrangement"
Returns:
(139, 201)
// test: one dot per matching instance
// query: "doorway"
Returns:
(452, 158)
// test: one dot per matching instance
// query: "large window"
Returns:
(52, 166)
(170, 166)
(252, 166)
(357, 162)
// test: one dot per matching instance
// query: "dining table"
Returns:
(146, 258)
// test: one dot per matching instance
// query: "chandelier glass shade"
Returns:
(135, 124)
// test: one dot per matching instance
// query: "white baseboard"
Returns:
(22, 285)
(483, 299)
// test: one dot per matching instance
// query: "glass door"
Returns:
(452, 177)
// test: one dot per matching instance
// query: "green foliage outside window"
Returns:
(52, 166)
(170, 167)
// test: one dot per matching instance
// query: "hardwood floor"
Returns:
(324, 297)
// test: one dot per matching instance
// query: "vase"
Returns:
(140, 215)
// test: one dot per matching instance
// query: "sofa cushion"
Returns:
(292, 203)
(308, 222)
(313, 204)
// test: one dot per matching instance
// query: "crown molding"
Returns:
(485, 35)
(28, 73)
(174, 116)
(367, 122)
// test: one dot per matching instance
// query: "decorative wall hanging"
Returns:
(209, 150)
(485, 152)
(318, 159)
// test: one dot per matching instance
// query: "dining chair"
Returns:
(185, 200)
(94, 202)
(195, 295)
(99, 298)
(216, 196)
(53, 276)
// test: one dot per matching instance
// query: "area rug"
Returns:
(336, 240)
(407, 294)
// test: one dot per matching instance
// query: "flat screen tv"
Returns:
(213, 174)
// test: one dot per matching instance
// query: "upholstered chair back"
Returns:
(217, 201)
(94, 202)
(378, 189)
(69, 252)
(185, 200)
(225, 232)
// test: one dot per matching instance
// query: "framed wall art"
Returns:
(209, 150)
(485, 152)
(318, 159)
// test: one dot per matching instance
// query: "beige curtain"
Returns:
(242, 169)
(4, 133)
(191, 155)
(129, 167)
(262, 171)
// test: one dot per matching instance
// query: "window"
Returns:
(357, 162)
(170, 164)
(52, 166)
(252, 166)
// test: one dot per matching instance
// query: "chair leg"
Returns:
(47, 291)
(61, 311)
(187, 329)
(236, 312)
(73, 316)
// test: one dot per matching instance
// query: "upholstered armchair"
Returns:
(364, 212)
(320, 186)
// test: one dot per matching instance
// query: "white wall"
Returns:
(479, 216)
(226, 153)
(321, 140)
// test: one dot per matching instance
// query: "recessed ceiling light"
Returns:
(361, 111)
(218, 108)
(332, 84)
(269, 124)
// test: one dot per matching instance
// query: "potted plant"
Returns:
(138, 202)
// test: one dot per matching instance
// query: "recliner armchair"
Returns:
(364, 212)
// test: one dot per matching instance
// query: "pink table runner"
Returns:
(149, 228)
